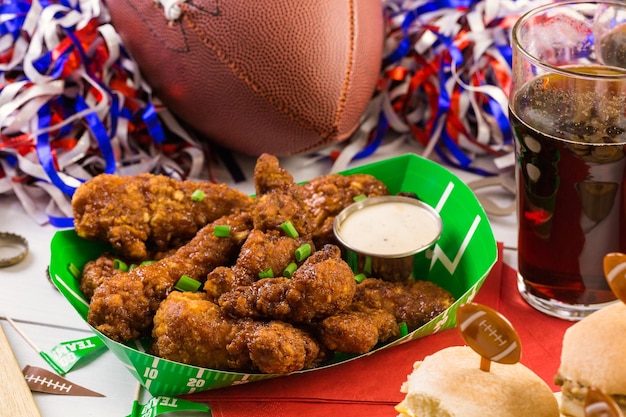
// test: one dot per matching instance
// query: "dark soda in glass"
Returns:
(570, 139)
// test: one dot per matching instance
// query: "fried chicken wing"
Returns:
(267, 250)
(357, 331)
(123, 306)
(191, 329)
(260, 252)
(413, 302)
(146, 213)
(326, 196)
(278, 199)
(96, 272)
(273, 209)
(276, 347)
(269, 176)
(223, 279)
(322, 286)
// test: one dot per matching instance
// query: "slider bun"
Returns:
(594, 353)
(449, 383)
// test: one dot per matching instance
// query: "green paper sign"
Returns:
(161, 405)
(65, 355)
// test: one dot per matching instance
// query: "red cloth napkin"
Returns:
(370, 386)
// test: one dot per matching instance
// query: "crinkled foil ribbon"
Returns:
(73, 103)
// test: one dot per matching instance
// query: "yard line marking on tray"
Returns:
(71, 291)
(441, 256)
(139, 346)
(444, 197)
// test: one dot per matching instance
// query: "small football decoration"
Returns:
(489, 333)
(275, 76)
(600, 404)
(615, 272)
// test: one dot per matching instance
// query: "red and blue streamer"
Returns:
(423, 45)
(40, 138)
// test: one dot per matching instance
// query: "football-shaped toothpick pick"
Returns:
(615, 273)
(489, 333)
(599, 404)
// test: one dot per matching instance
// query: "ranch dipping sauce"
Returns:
(390, 226)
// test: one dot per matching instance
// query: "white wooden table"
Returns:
(42, 313)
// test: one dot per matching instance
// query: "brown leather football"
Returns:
(275, 76)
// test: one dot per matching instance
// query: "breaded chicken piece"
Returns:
(269, 176)
(273, 209)
(322, 286)
(222, 280)
(267, 250)
(276, 347)
(123, 306)
(326, 196)
(413, 302)
(278, 199)
(357, 331)
(267, 246)
(146, 212)
(261, 251)
(191, 329)
(96, 272)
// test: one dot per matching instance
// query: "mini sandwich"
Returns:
(594, 355)
(450, 383)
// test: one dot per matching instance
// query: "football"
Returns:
(275, 76)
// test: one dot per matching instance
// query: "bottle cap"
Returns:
(13, 249)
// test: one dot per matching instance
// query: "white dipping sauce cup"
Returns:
(389, 237)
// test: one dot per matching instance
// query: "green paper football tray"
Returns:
(462, 259)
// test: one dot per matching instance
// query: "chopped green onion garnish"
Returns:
(222, 230)
(73, 270)
(359, 197)
(303, 252)
(268, 273)
(359, 278)
(289, 229)
(131, 267)
(404, 330)
(198, 195)
(144, 263)
(186, 283)
(121, 265)
(290, 269)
